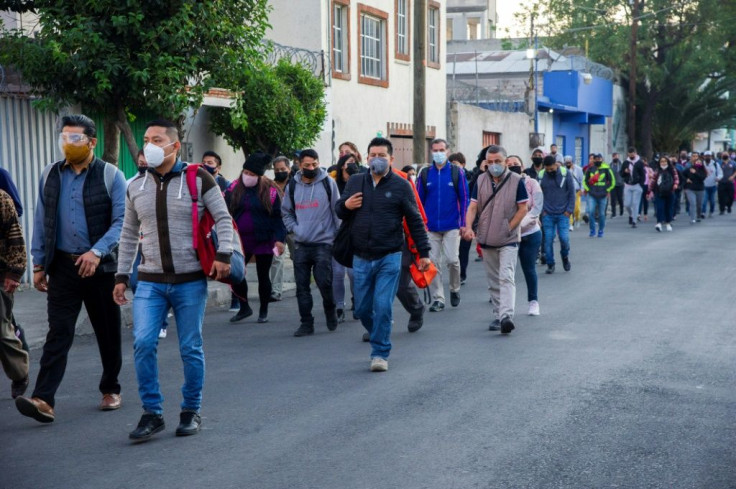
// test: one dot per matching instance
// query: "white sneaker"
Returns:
(658, 227)
(572, 228)
(162, 333)
(533, 308)
(379, 364)
(668, 227)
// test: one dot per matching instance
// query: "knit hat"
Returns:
(257, 163)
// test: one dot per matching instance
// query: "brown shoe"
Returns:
(110, 402)
(35, 408)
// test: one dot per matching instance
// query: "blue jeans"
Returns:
(600, 204)
(556, 224)
(376, 283)
(528, 249)
(710, 198)
(151, 303)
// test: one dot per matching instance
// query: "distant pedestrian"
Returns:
(714, 175)
(577, 178)
(531, 233)
(158, 206)
(662, 188)
(281, 172)
(76, 229)
(213, 164)
(617, 192)
(694, 189)
(597, 184)
(443, 192)
(633, 174)
(309, 213)
(726, 185)
(255, 204)
(377, 203)
(499, 200)
(12, 267)
(559, 203)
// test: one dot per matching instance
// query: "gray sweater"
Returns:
(158, 215)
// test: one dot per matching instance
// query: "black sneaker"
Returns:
(366, 337)
(495, 325)
(416, 321)
(263, 318)
(507, 325)
(566, 264)
(550, 269)
(436, 306)
(189, 423)
(304, 330)
(244, 312)
(149, 425)
(586, 218)
(454, 299)
(331, 320)
(340, 315)
(631, 220)
(234, 304)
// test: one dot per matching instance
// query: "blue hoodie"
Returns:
(444, 205)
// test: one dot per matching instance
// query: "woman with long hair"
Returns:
(662, 187)
(255, 204)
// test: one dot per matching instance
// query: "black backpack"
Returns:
(665, 182)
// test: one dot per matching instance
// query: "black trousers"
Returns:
(407, 291)
(263, 269)
(725, 195)
(464, 258)
(66, 294)
(617, 198)
(313, 260)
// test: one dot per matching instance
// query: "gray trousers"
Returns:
(632, 199)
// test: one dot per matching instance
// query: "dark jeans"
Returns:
(464, 258)
(644, 202)
(710, 199)
(664, 207)
(317, 260)
(407, 291)
(67, 292)
(725, 195)
(528, 250)
(263, 271)
(676, 202)
(617, 199)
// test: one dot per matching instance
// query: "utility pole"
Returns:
(631, 122)
(420, 82)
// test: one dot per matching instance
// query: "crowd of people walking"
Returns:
(390, 232)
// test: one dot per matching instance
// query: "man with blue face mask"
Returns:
(443, 191)
(377, 203)
(499, 200)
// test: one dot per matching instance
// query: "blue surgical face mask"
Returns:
(379, 166)
(439, 157)
(496, 169)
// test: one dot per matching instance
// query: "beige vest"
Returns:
(493, 222)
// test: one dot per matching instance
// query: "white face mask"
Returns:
(154, 154)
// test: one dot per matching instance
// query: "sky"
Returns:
(505, 10)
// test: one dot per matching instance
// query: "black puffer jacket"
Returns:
(695, 180)
(635, 174)
(377, 225)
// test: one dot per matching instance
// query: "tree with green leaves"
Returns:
(278, 109)
(116, 59)
(684, 67)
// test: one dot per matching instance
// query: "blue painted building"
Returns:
(576, 101)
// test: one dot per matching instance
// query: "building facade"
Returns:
(367, 50)
(469, 20)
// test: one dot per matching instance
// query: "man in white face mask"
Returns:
(158, 209)
(499, 199)
(443, 191)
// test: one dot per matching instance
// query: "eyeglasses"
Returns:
(72, 138)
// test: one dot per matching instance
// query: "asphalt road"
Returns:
(625, 380)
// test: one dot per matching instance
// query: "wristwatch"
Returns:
(97, 253)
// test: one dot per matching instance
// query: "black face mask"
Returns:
(597, 163)
(569, 165)
(280, 176)
(515, 169)
(537, 161)
(351, 168)
(210, 169)
(310, 174)
(551, 173)
(616, 161)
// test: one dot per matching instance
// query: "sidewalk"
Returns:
(30, 305)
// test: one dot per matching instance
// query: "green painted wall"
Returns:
(126, 162)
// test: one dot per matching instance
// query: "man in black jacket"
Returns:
(633, 174)
(377, 202)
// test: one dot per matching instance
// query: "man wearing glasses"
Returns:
(76, 230)
(499, 199)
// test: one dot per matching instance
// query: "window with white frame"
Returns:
(402, 27)
(340, 38)
(373, 47)
(434, 35)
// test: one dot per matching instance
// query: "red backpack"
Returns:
(204, 237)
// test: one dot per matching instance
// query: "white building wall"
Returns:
(360, 111)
